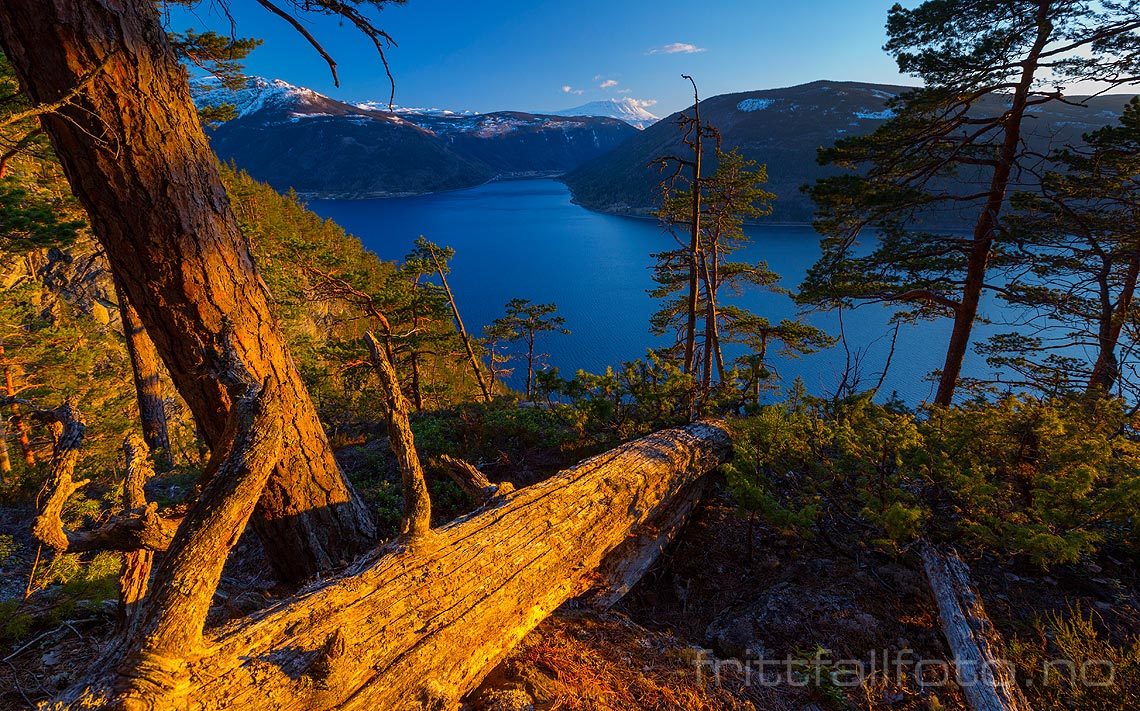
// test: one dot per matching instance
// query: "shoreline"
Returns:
(555, 175)
(384, 195)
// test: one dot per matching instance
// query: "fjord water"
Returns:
(527, 239)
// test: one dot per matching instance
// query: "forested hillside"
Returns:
(784, 128)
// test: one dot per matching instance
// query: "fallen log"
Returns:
(416, 627)
(987, 681)
(626, 565)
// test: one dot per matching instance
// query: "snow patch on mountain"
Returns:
(749, 105)
(417, 110)
(257, 94)
(627, 109)
(876, 115)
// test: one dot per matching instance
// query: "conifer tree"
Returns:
(522, 323)
(694, 132)
(954, 147)
(426, 312)
(732, 194)
(1072, 265)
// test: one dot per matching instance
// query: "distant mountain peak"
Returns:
(632, 111)
(257, 94)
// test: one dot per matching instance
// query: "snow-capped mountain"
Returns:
(263, 95)
(632, 111)
(293, 137)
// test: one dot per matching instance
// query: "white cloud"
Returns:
(567, 89)
(677, 48)
(608, 84)
(624, 91)
(645, 103)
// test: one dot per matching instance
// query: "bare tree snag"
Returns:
(68, 428)
(136, 157)
(471, 481)
(148, 384)
(987, 681)
(136, 530)
(412, 628)
(483, 386)
(134, 575)
(417, 503)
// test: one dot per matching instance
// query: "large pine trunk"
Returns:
(135, 155)
(987, 225)
(417, 626)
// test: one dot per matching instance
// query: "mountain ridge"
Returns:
(783, 128)
(296, 138)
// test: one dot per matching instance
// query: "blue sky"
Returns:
(553, 54)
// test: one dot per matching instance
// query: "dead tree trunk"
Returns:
(173, 616)
(417, 504)
(986, 679)
(473, 482)
(483, 386)
(135, 155)
(148, 383)
(417, 627)
(68, 428)
(632, 559)
(134, 575)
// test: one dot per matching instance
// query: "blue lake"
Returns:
(527, 239)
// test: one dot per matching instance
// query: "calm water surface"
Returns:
(526, 239)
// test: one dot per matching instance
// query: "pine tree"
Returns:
(426, 312)
(1072, 265)
(522, 323)
(955, 145)
(733, 194)
(694, 132)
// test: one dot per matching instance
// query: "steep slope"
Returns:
(629, 110)
(783, 128)
(292, 137)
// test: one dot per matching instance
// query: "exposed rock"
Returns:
(789, 617)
